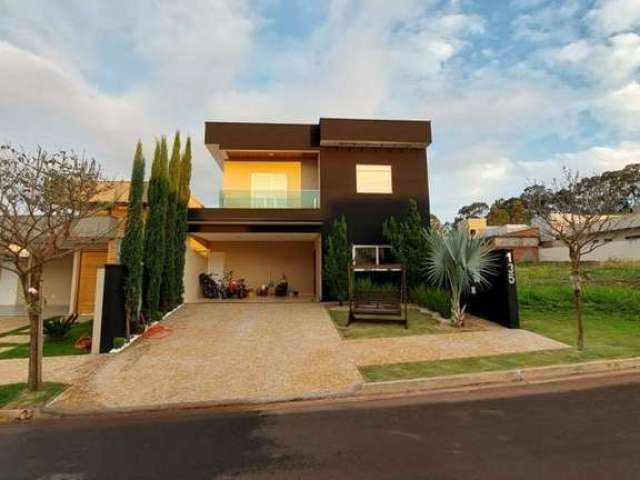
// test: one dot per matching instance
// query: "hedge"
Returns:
(435, 299)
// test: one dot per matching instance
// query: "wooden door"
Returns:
(90, 261)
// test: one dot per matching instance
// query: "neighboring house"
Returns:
(620, 239)
(522, 239)
(69, 283)
(284, 184)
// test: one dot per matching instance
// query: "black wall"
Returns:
(499, 301)
(366, 212)
(113, 306)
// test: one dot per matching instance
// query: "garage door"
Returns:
(90, 261)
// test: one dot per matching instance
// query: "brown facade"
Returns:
(365, 212)
(338, 146)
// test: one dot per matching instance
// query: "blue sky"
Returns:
(515, 89)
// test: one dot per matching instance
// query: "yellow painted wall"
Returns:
(237, 174)
(195, 263)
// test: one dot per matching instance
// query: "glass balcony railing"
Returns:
(270, 199)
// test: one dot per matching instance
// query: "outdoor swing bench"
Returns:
(381, 302)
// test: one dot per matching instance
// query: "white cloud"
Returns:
(575, 52)
(200, 61)
(621, 108)
(612, 16)
(474, 173)
(45, 104)
(610, 62)
(548, 22)
(598, 159)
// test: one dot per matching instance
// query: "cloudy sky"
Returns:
(515, 89)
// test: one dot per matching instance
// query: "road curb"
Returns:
(374, 390)
(248, 403)
(502, 377)
(16, 414)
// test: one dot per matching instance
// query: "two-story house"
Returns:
(284, 184)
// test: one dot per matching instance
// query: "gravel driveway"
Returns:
(225, 352)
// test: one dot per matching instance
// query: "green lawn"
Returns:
(16, 395)
(51, 348)
(612, 322)
(419, 324)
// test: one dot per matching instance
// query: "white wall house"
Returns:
(619, 242)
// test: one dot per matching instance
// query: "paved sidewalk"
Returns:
(419, 348)
(8, 324)
(224, 353)
(64, 369)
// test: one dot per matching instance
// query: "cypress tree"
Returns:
(336, 261)
(182, 209)
(155, 231)
(409, 242)
(132, 246)
(168, 298)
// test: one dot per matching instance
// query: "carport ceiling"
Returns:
(256, 237)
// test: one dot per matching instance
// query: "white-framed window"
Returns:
(373, 179)
(371, 254)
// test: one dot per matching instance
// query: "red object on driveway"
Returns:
(157, 332)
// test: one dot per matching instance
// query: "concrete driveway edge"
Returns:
(503, 377)
(389, 388)
(53, 410)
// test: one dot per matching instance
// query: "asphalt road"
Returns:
(583, 430)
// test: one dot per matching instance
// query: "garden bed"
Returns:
(611, 322)
(51, 348)
(420, 323)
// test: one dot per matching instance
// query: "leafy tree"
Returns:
(498, 213)
(155, 232)
(182, 209)
(575, 211)
(43, 199)
(168, 297)
(408, 242)
(435, 223)
(504, 211)
(457, 261)
(624, 180)
(336, 261)
(473, 210)
(518, 213)
(132, 246)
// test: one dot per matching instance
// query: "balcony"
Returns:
(269, 199)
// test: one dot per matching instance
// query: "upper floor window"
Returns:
(373, 179)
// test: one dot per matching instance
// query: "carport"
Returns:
(260, 258)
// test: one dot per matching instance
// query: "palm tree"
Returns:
(457, 261)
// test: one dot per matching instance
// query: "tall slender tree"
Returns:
(182, 208)
(155, 231)
(168, 297)
(132, 247)
(336, 261)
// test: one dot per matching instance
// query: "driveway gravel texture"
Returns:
(225, 353)
(262, 352)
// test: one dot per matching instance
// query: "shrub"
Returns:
(408, 242)
(436, 299)
(367, 285)
(336, 261)
(58, 327)
(118, 342)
